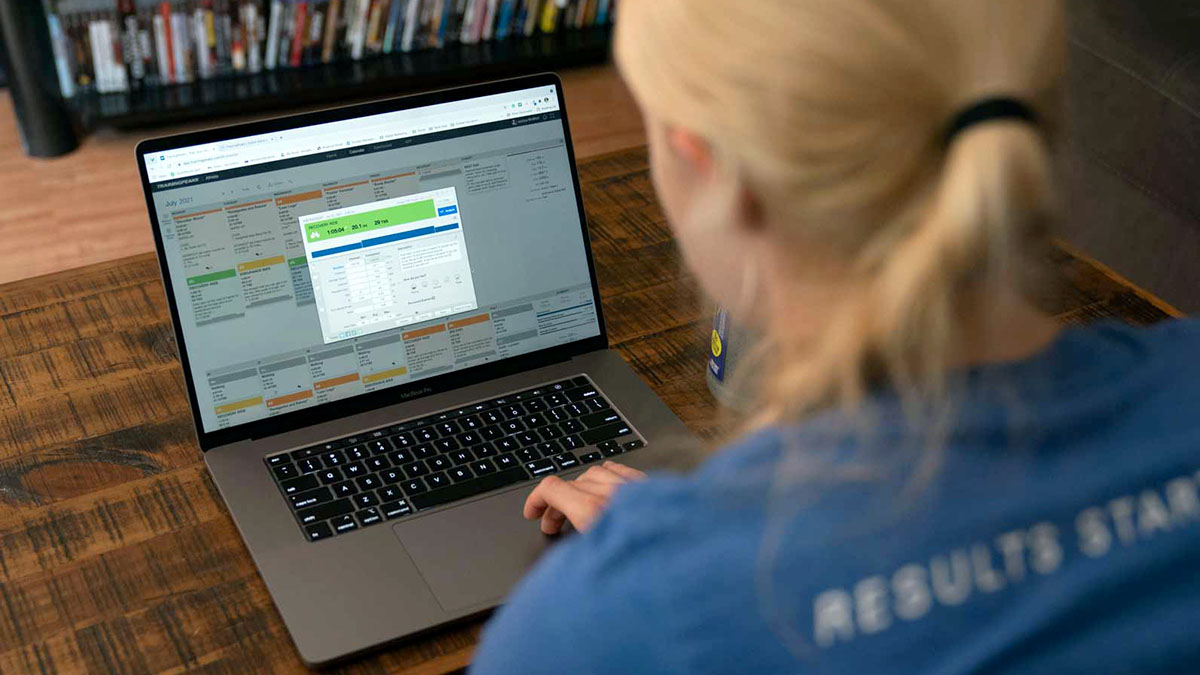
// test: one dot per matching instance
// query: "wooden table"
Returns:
(116, 554)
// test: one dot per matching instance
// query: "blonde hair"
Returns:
(833, 112)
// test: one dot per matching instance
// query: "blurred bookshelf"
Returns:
(143, 63)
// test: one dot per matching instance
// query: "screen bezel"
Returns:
(332, 410)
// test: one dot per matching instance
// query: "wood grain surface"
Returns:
(116, 553)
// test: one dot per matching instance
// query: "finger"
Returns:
(626, 472)
(600, 474)
(552, 521)
(595, 488)
(578, 506)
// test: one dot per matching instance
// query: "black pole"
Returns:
(47, 129)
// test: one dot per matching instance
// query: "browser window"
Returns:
(320, 263)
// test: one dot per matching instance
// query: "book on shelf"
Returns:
(123, 45)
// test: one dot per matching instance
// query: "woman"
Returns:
(937, 478)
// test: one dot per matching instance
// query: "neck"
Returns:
(1003, 327)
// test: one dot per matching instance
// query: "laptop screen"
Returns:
(319, 263)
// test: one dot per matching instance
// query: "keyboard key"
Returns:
(414, 469)
(513, 411)
(424, 451)
(357, 453)
(541, 467)
(508, 445)
(390, 493)
(468, 489)
(535, 405)
(324, 511)
(353, 440)
(610, 448)
(512, 426)
(354, 470)
(440, 463)
(491, 433)
(335, 458)
(378, 433)
(446, 444)
(368, 482)
(395, 509)
(566, 460)
(471, 422)
(633, 445)
(483, 467)
(504, 462)
(400, 457)
(462, 457)
(365, 499)
(391, 476)
(556, 399)
(460, 473)
(376, 464)
(604, 433)
(404, 440)
(380, 446)
(598, 404)
(368, 517)
(581, 394)
(448, 428)
(578, 409)
(591, 457)
(304, 500)
(572, 442)
(571, 426)
(413, 487)
(549, 433)
(493, 417)
(344, 524)
(580, 381)
(437, 480)
(344, 489)
(535, 421)
(562, 386)
(328, 476)
(469, 438)
(600, 419)
(285, 471)
(526, 438)
(309, 465)
(318, 531)
(528, 454)
(426, 435)
(279, 459)
(558, 415)
(291, 487)
(333, 445)
(485, 450)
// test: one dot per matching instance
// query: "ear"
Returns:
(692, 148)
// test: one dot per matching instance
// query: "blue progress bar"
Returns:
(377, 241)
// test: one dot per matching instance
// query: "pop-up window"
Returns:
(388, 264)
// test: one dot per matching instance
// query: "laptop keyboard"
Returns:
(362, 480)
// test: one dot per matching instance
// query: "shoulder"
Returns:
(659, 574)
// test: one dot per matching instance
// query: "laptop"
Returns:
(389, 324)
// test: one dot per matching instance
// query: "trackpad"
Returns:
(474, 554)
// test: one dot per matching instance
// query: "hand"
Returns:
(580, 501)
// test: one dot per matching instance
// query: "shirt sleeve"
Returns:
(589, 607)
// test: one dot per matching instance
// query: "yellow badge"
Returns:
(716, 343)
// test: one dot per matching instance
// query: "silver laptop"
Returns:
(389, 324)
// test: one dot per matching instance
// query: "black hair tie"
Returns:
(1000, 108)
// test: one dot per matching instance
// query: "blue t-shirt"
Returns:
(1058, 531)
